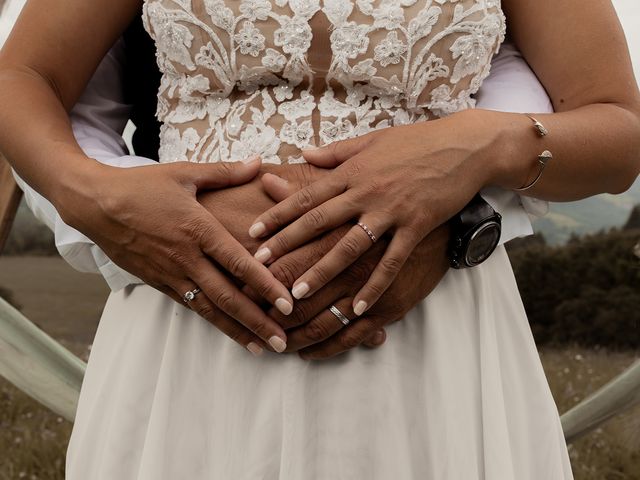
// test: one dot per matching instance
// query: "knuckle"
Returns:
(373, 188)
(206, 311)
(349, 248)
(353, 169)
(305, 198)
(284, 272)
(261, 329)
(281, 241)
(239, 266)
(351, 339)
(316, 331)
(236, 335)
(263, 287)
(320, 274)
(274, 217)
(301, 314)
(315, 219)
(375, 289)
(177, 257)
(359, 272)
(226, 301)
(390, 265)
(225, 169)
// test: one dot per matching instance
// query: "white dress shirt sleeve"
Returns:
(513, 87)
(98, 120)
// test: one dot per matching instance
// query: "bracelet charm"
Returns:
(543, 158)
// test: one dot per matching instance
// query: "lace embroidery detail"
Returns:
(236, 79)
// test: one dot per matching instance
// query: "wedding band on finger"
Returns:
(339, 315)
(190, 295)
(368, 231)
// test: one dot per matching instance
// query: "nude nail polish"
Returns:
(257, 230)
(263, 255)
(284, 306)
(255, 349)
(300, 290)
(360, 307)
(278, 344)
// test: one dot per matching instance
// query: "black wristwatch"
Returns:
(475, 234)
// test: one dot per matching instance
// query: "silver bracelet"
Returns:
(543, 158)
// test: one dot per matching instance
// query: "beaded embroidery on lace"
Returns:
(236, 80)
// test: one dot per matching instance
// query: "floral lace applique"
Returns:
(236, 79)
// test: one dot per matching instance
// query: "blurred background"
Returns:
(579, 277)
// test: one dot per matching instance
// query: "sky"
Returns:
(629, 13)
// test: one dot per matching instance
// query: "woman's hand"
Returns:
(405, 180)
(148, 221)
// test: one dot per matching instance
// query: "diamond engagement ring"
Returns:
(190, 295)
(339, 315)
(368, 231)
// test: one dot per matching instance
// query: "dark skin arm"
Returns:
(310, 330)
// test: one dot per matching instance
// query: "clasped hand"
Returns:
(403, 182)
(173, 226)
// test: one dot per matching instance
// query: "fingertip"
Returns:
(284, 306)
(359, 307)
(278, 344)
(276, 187)
(253, 161)
(263, 255)
(257, 230)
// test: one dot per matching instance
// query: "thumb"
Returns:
(277, 187)
(334, 154)
(207, 176)
(376, 339)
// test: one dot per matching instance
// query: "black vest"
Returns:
(141, 83)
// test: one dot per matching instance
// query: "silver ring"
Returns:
(190, 295)
(368, 231)
(339, 315)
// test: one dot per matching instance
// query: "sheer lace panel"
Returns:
(242, 77)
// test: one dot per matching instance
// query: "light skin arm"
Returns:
(578, 51)
(119, 208)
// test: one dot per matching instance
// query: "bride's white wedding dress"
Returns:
(457, 392)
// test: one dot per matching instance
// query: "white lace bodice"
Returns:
(257, 76)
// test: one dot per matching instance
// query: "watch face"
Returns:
(482, 243)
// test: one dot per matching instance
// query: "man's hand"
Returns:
(312, 329)
(422, 272)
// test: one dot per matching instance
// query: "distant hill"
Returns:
(587, 216)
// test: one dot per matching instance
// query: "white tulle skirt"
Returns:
(456, 392)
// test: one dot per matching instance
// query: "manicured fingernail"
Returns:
(255, 349)
(278, 344)
(251, 159)
(300, 290)
(360, 307)
(379, 337)
(284, 306)
(263, 255)
(257, 230)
